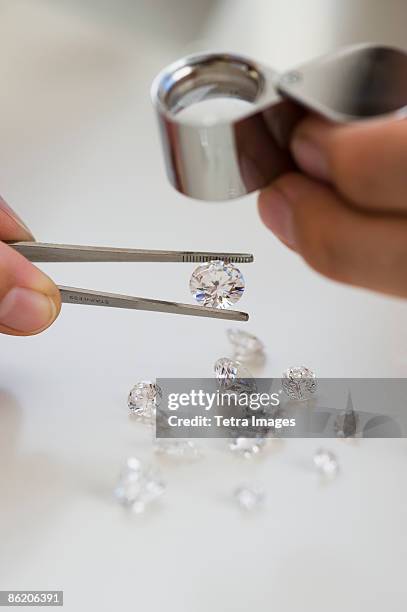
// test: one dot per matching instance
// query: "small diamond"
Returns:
(227, 369)
(249, 498)
(217, 284)
(132, 465)
(138, 487)
(326, 463)
(299, 383)
(247, 447)
(233, 377)
(184, 450)
(246, 346)
(347, 422)
(144, 398)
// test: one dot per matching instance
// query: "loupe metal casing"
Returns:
(227, 158)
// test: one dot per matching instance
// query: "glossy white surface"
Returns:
(80, 161)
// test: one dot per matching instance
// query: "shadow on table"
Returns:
(34, 488)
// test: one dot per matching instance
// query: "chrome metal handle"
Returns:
(45, 252)
(226, 158)
(86, 297)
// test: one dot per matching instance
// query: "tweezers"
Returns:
(42, 252)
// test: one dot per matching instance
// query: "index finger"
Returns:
(366, 162)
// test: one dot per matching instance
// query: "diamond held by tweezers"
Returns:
(217, 284)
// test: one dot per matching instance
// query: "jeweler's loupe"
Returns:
(226, 120)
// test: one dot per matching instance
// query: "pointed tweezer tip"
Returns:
(241, 316)
(228, 315)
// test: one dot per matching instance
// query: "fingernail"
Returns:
(310, 158)
(13, 215)
(27, 311)
(278, 216)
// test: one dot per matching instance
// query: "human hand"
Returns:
(29, 300)
(347, 214)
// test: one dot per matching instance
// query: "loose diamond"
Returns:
(246, 346)
(132, 465)
(143, 399)
(347, 422)
(247, 447)
(326, 463)
(138, 486)
(299, 383)
(218, 284)
(233, 376)
(249, 498)
(184, 450)
(226, 369)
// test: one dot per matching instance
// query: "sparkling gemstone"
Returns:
(249, 498)
(218, 284)
(226, 369)
(246, 346)
(326, 463)
(247, 447)
(299, 383)
(144, 398)
(132, 465)
(138, 486)
(184, 450)
(233, 377)
(347, 422)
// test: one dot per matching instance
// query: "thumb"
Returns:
(365, 162)
(29, 300)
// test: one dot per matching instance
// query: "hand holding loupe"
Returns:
(213, 157)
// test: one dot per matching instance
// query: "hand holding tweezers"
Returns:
(41, 252)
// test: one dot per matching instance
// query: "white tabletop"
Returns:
(80, 161)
